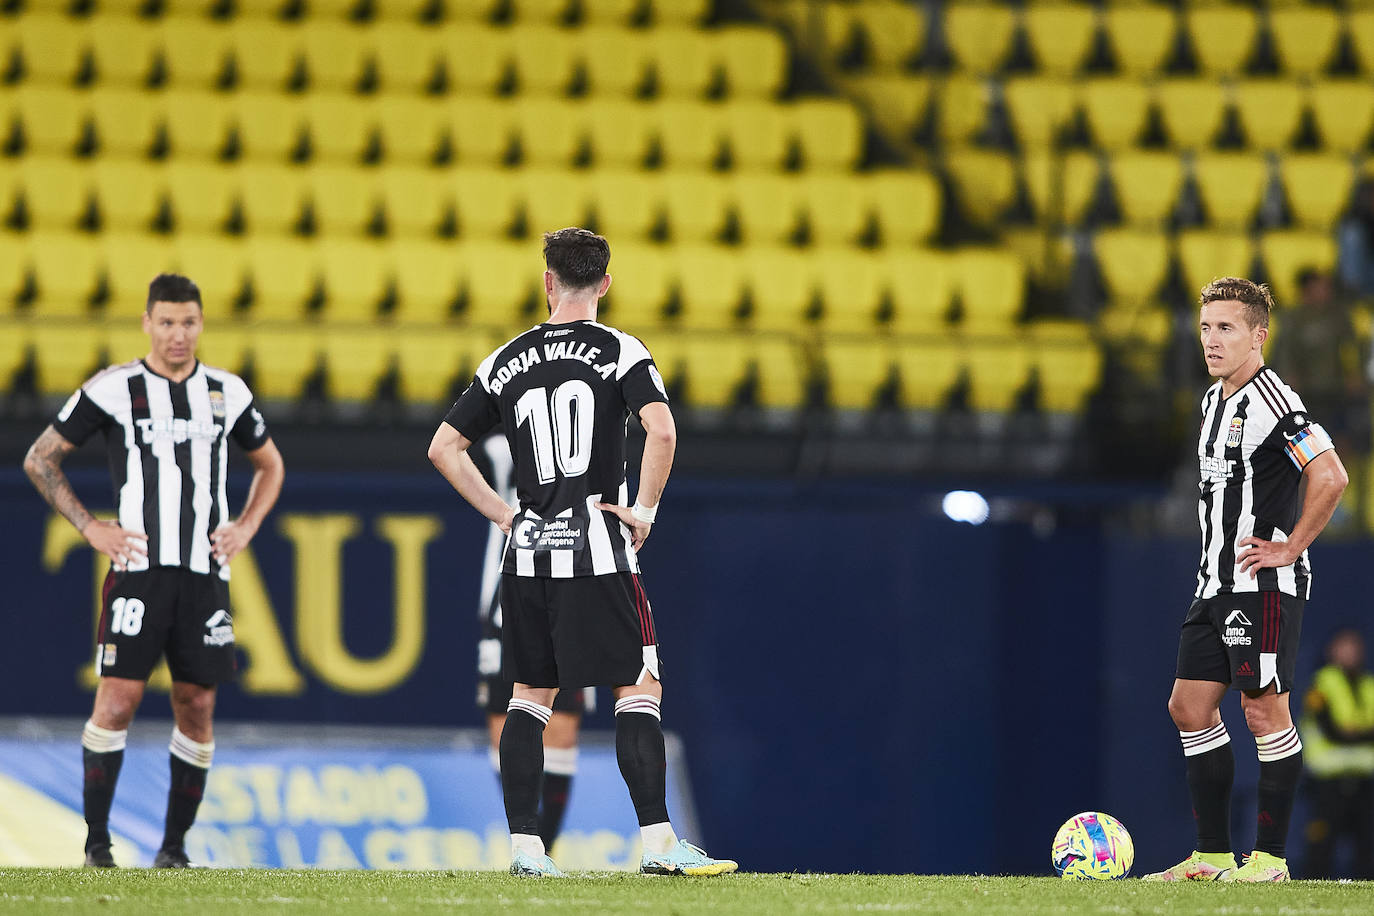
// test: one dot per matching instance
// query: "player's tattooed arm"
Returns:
(43, 464)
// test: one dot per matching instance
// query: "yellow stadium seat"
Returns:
(284, 276)
(272, 197)
(14, 348)
(1360, 26)
(1141, 36)
(893, 31)
(218, 264)
(759, 133)
(553, 12)
(260, 9)
(409, 56)
(57, 192)
(1061, 186)
(344, 199)
(979, 34)
(14, 268)
(1061, 35)
(131, 262)
(929, 369)
(641, 282)
(356, 275)
(1069, 372)
(985, 181)
(856, 370)
(779, 373)
(837, 209)
(342, 127)
(202, 196)
(355, 359)
(66, 353)
(195, 51)
(551, 200)
(416, 200)
(620, 131)
(1147, 185)
(1223, 36)
(683, 62)
(126, 120)
(922, 284)
(1270, 110)
(1232, 186)
(998, 370)
(129, 193)
(626, 203)
(695, 204)
(53, 118)
(754, 60)
(486, 201)
(899, 102)
(1135, 325)
(499, 279)
(1287, 254)
(52, 48)
(269, 125)
(552, 132)
(198, 123)
(829, 131)
(689, 133)
(1192, 110)
(471, 10)
(851, 282)
(616, 61)
(609, 12)
(1117, 111)
(906, 204)
(337, 54)
(1344, 110)
(481, 129)
(1304, 37)
(545, 59)
(267, 52)
(710, 282)
(1133, 264)
(717, 366)
(679, 12)
(1040, 108)
(66, 268)
(1318, 188)
(427, 277)
(477, 58)
(124, 48)
(226, 345)
(430, 361)
(992, 287)
(1048, 256)
(284, 356)
(781, 286)
(123, 339)
(962, 107)
(1205, 256)
(767, 207)
(412, 129)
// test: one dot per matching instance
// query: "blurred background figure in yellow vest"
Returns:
(1338, 749)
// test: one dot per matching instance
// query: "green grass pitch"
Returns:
(210, 892)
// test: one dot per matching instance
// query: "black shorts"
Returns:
(587, 631)
(1248, 640)
(171, 610)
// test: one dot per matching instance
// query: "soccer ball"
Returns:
(1092, 847)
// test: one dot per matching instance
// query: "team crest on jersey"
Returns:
(217, 404)
(1236, 432)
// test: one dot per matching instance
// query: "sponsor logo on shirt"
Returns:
(1215, 469)
(1234, 434)
(176, 429)
(549, 534)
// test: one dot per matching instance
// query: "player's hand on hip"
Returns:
(1257, 553)
(507, 520)
(639, 531)
(121, 545)
(228, 539)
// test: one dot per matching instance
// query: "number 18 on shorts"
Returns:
(167, 611)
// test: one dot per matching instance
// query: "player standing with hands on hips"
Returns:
(575, 613)
(1257, 448)
(166, 419)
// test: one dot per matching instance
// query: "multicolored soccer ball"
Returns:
(1092, 846)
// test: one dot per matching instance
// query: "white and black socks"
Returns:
(102, 755)
(190, 765)
(1211, 771)
(1280, 756)
(644, 765)
(522, 771)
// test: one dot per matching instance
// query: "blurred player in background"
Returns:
(166, 420)
(574, 611)
(1270, 481)
(493, 459)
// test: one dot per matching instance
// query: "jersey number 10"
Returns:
(561, 426)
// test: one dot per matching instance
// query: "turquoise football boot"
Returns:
(685, 859)
(525, 865)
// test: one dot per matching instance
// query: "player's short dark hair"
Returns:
(577, 257)
(172, 288)
(1256, 298)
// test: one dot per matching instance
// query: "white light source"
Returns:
(965, 506)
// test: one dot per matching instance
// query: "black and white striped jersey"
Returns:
(166, 446)
(493, 459)
(564, 394)
(1252, 449)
